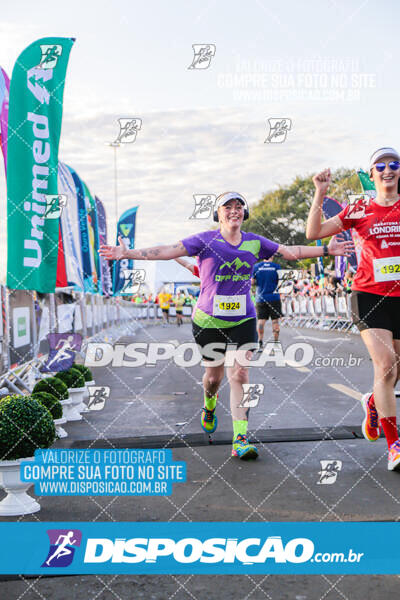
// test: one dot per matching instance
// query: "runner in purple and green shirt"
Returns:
(225, 314)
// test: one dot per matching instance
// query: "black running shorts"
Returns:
(371, 311)
(244, 333)
(269, 310)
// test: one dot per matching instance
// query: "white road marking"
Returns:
(315, 339)
(302, 369)
(346, 390)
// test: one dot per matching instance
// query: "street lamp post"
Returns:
(115, 145)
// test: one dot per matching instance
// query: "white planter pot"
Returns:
(60, 430)
(68, 412)
(76, 395)
(17, 501)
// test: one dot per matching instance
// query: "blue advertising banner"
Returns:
(70, 228)
(331, 208)
(59, 548)
(125, 229)
(91, 217)
(104, 264)
(84, 233)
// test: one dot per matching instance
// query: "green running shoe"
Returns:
(208, 420)
(242, 449)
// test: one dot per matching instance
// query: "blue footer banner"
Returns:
(199, 548)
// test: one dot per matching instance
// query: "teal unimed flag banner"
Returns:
(126, 229)
(90, 205)
(34, 128)
(366, 183)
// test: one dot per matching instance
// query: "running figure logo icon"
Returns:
(203, 206)
(203, 54)
(329, 471)
(63, 543)
(97, 396)
(62, 351)
(54, 205)
(133, 279)
(278, 129)
(50, 56)
(251, 394)
(128, 128)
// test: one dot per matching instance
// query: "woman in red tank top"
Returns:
(375, 298)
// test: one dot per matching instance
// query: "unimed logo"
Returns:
(248, 551)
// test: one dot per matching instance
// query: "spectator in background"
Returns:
(296, 287)
(347, 281)
(179, 301)
(330, 288)
(268, 301)
(164, 300)
(306, 288)
(314, 288)
(193, 300)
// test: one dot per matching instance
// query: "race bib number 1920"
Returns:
(387, 269)
(229, 306)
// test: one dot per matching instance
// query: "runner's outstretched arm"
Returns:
(317, 230)
(335, 248)
(155, 253)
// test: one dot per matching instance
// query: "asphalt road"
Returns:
(305, 415)
(164, 398)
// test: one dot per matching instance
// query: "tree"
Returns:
(281, 215)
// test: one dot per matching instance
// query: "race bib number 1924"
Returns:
(229, 306)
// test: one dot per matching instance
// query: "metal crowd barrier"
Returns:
(320, 312)
(28, 318)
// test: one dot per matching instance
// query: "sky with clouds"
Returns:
(329, 67)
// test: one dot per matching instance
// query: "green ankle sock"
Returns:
(210, 403)
(239, 427)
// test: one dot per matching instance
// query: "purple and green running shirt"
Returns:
(225, 274)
